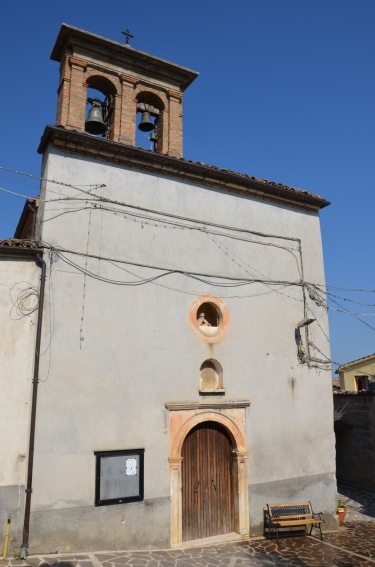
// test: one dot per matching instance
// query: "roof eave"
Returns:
(85, 144)
(362, 360)
(19, 251)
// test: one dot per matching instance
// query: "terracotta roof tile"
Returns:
(239, 174)
(352, 393)
(319, 200)
(14, 242)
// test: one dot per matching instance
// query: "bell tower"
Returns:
(130, 81)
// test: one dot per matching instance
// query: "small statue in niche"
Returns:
(202, 322)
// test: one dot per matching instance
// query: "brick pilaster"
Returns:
(115, 120)
(175, 124)
(63, 93)
(77, 98)
(128, 110)
(163, 133)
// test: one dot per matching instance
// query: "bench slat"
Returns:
(287, 504)
(282, 523)
(307, 516)
(292, 514)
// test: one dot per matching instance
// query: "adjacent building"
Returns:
(358, 375)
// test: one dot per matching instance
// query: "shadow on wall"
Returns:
(354, 427)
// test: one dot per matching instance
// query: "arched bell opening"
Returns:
(149, 121)
(100, 107)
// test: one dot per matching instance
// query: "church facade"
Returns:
(182, 386)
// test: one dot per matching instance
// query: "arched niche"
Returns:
(211, 376)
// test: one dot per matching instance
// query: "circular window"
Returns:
(209, 318)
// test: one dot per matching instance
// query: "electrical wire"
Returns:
(328, 360)
(104, 199)
(318, 322)
(345, 311)
(3, 168)
(328, 286)
(165, 221)
(137, 207)
(232, 256)
(18, 194)
(107, 200)
(95, 198)
(40, 199)
(67, 213)
(350, 300)
(183, 291)
(36, 187)
(233, 281)
(331, 296)
(25, 301)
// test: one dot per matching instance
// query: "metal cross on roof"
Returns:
(127, 35)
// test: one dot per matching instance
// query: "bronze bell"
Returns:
(154, 137)
(146, 124)
(95, 123)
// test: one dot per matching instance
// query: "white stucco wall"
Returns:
(18, 348)
(119, 352)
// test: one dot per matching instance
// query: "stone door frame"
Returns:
(183, 416)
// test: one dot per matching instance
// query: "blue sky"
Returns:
(286, 92)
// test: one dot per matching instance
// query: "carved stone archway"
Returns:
(183, 416)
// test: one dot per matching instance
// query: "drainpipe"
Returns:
(26, 524)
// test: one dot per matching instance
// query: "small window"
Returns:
(361, 383)
(119, 476)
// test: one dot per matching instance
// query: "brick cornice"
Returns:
(176, 95)
(197, 405)
(77, 62)
(121, 56)
(129, 79)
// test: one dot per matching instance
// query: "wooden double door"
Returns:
(207, 482)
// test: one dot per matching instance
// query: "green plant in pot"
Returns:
(341, 511)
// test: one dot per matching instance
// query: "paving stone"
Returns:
(353, 545)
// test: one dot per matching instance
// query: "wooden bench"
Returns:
(292, 515)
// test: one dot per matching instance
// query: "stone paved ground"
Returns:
(353, 545)
(357, 535)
